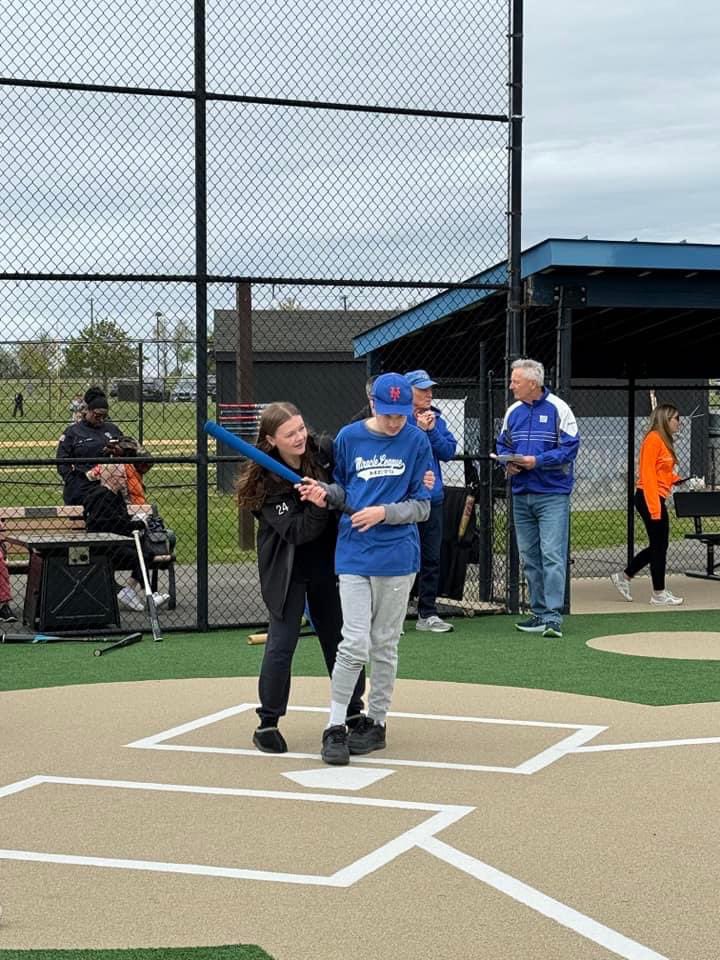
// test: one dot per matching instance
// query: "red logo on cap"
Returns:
(394, 393)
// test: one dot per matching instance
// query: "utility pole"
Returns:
(158, 318)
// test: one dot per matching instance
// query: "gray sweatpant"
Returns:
(374, 610)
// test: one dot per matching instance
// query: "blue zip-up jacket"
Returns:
(547, 430)
(443, 446)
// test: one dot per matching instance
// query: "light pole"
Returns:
(92, 338)
(158, 318)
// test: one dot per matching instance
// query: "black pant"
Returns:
(655, 553)
(326, 614)
(428, 579)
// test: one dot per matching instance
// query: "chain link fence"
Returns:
(204, 206)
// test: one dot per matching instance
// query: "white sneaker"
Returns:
(128, 599)
(434, 624)
(622, 584)
(161, 599)
(666, 599)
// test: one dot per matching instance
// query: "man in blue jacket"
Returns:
(443, 446)
(538, 444)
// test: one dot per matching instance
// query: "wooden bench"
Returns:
(61, 519)
(700, 504)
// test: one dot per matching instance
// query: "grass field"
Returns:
(237, 952)
(481, 650)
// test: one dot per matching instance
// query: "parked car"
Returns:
(152, 391)
(184, 390)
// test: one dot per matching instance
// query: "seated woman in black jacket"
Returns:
(296, 560)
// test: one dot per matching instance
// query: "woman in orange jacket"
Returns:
(656, 478)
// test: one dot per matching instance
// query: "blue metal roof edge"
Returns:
(553, 252)
(428, 311)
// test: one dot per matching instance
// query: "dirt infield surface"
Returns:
(499, 823)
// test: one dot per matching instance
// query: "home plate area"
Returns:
(498, 823)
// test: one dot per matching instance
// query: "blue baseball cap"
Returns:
(392, 395)
(420, 379)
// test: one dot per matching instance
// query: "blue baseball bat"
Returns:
(259, 456)
(251, 451)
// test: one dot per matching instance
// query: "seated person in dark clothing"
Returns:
(111, 486)
(88, 437)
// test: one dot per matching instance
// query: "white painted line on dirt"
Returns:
(583, 733)
(384, 761)
(443, 815)
(561, 913)
(20, 785)
(160, 866)
(646, 744)
(337, 778)
(454, 718)
(148, 742)
(559, 750)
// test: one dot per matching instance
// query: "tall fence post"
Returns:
(630, 486)
(244, 390)
(202, 507)
(484, 498)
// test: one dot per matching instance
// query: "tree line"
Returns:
(102, 351)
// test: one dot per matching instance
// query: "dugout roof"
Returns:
(636, 309)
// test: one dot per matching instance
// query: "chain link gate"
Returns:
(205, 203)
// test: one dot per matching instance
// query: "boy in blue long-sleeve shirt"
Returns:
(379, 468)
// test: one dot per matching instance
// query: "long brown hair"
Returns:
(255, 482)
(660, 423)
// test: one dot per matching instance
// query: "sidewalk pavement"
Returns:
(600, 596)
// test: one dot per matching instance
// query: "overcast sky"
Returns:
(622, 99)
(622, 136)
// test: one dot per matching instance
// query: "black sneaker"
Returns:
(354, 720)
(269, 740)
(553, 629)
(533, 625)
(366, 737)
(335, 746)
(6, 614)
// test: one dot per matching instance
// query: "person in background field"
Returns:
(18, 406)
(87, 438)
(443, 446)
(540, 434)
(380, 464)
(295, 554)
(6, 613)
(656, 478)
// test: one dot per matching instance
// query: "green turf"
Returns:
(235, 952)
(481, 650)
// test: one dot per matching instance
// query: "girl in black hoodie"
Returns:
(296, 562)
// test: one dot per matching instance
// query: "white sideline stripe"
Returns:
(558, 750)
(613, 941)
(646, 744)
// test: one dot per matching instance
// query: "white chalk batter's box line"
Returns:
(569, 744)
(422, 836)
(442, 816)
